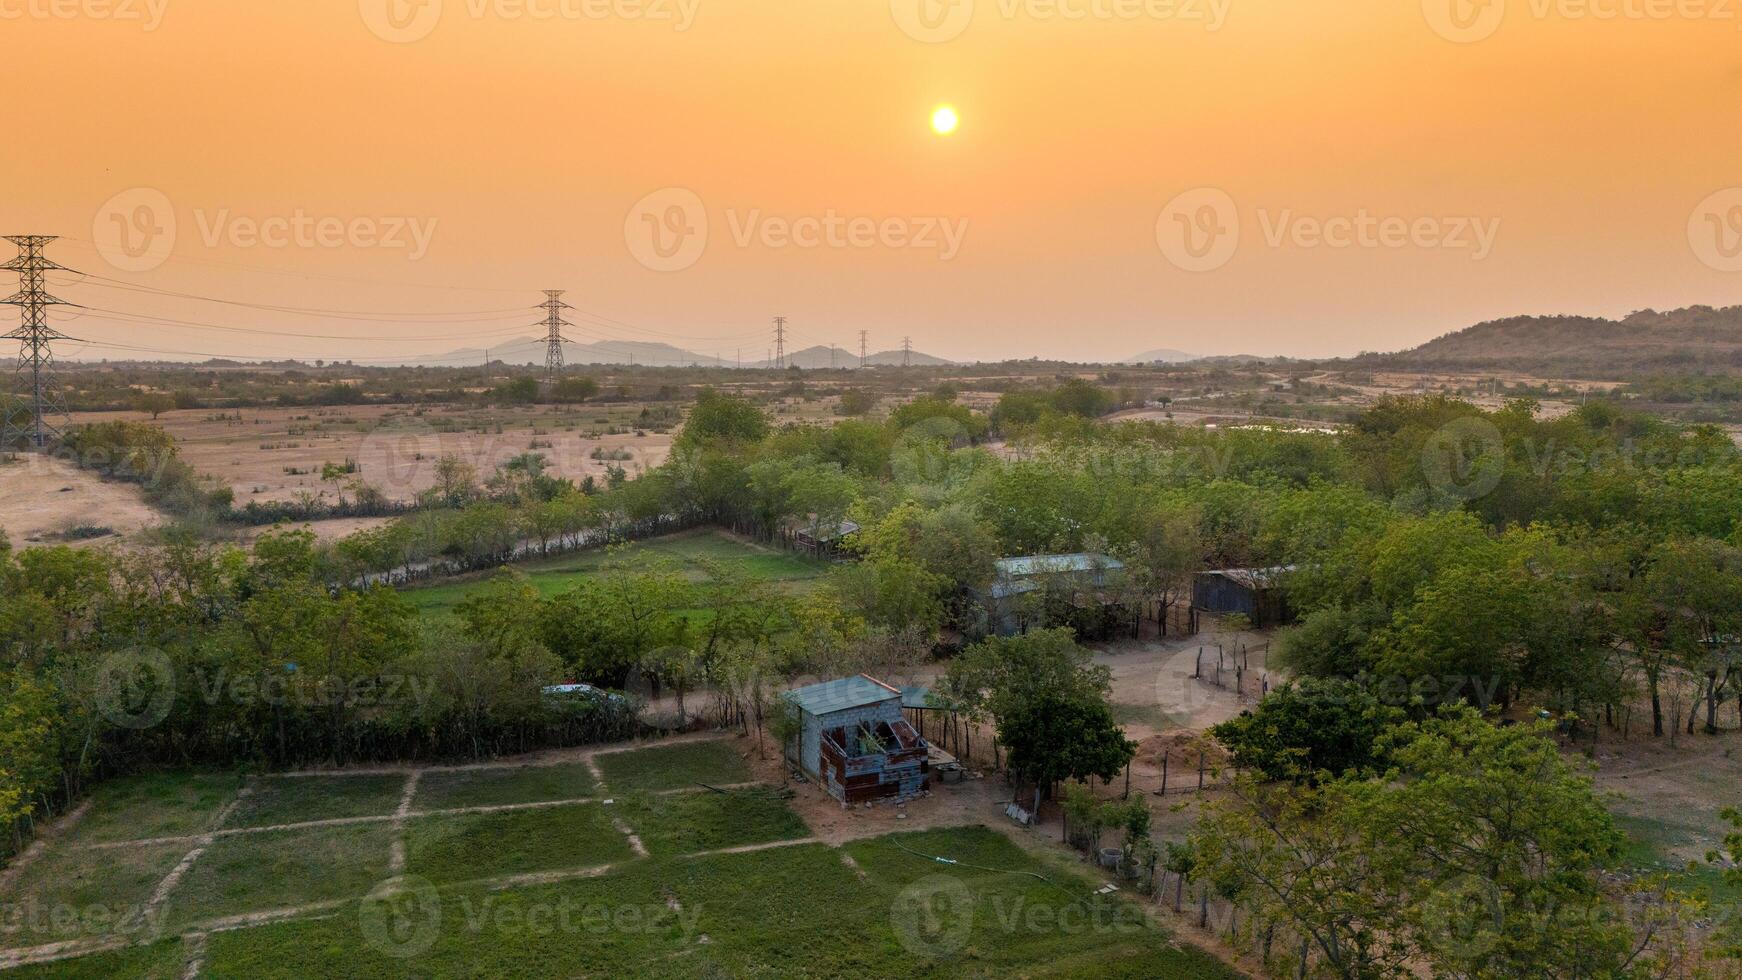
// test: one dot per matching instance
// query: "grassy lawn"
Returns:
(156, 805)
(1652, 846)
(487, 845)
(491, 787)
(280, 869)
(688, 823)
(71, 894)
(301, 799)
(673, 767)
(688, 550)
(797, 911)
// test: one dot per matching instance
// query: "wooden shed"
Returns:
(1255, 593)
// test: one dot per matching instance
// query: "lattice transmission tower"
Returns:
(554, 323)
(780, 342)
(36, 414)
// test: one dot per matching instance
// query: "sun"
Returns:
(944, 120)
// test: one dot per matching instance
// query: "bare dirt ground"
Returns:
(41, 496)
(1671, 795)
(276, 454)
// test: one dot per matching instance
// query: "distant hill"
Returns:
(819, 357)
(530, 350)
(1694, 340)
(1165, 355)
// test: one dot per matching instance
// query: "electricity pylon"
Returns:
(35, 387)
(554, 323)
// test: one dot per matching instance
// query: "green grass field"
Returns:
(689, 551)
(338, 906)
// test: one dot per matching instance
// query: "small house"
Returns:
(1083, 575)
(1255, 593)
(856, 742)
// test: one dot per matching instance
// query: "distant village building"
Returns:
(1085, 575)
(856, 742)
(1255, 593)
(825, 539)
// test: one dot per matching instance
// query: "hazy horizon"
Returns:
(394, 178)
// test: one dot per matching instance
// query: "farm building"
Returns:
(824, 540)
(856, 742)
(1084, 575)
(1255, 593)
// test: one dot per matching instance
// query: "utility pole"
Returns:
(554, 323)
(36, 389)
(906, 351)
(831, 357)
(780, 342)
(861, 348)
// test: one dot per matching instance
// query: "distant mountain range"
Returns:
(1696, 340)
(1165, 355)
(530, 350)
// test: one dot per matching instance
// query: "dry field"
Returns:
(276, 454)
(42, 497)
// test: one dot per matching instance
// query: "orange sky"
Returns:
(1581, 136)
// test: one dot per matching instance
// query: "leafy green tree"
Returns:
(857, 401)
(724, 418)
(1060, 735)
(1310, 727)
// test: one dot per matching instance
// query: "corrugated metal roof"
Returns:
(915, 695)
(1049, 564)
(840, 695)
(1253, 578)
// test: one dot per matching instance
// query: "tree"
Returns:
(1478, 853)
(1309, 728)
(574, 390)
(154, 403)
(857, 401)
(724, 418)
(1059, 735)
(456, 480)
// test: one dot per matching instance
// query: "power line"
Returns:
(35, 351)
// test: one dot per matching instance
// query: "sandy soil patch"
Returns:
(276, 454)
(41, 496)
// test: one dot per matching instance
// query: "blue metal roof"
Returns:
(1047, 564)
(840, 695)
